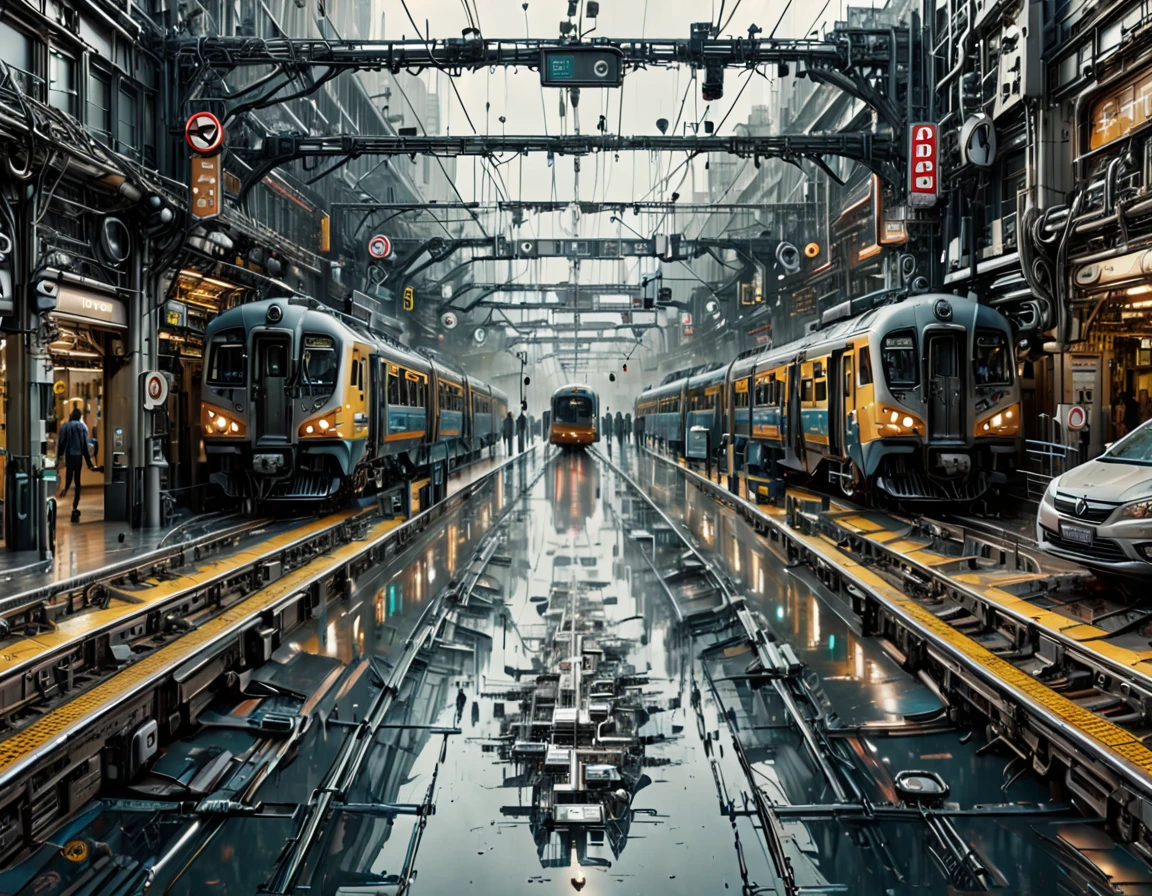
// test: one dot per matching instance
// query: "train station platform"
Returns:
(86, 548)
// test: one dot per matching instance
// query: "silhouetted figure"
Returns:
(619, 427)
(521, 429)
(509, 430)
(1131, 412)
(627, 427)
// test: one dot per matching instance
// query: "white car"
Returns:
(1099, 514)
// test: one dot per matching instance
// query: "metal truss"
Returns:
(878, 152)
(842, 49)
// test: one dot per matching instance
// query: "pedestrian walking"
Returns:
(72, 445)
(627, 427)
(619, 427)
(521, 429)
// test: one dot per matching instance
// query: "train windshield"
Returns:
(898, 355)
(573, 409)
(991, 362)
(226, 359)
(319, 364)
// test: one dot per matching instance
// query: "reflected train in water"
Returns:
(912, 397)
(575, 416)
(300, 404)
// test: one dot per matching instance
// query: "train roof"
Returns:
(579, 388)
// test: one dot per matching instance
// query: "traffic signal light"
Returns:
(625, 368)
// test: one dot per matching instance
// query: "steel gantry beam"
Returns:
(456, 55)
(878, 151)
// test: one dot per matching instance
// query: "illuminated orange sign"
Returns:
(1120, 110)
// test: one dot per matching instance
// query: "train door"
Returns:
(270, 386)
(835, 405)
(846, 421)
(377, 409)
(945, 411)
(792, 420)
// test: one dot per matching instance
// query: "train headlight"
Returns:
(217, 423)
(1004, 422)
(324, 426)
(893, 422)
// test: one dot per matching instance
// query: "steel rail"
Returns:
(1079, 749)
(354, 751)
(389, 543)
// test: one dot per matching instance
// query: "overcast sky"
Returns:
(645, 97)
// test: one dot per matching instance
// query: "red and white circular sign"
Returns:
(203, 132)
(155, 389)
(379, 246)
(1076, 419)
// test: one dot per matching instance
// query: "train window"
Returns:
(319, 364)
(898, 354)
(991, 364)
(847, 377)
(818, 369)
(572, 409)
(226, 360)
(821, 390)
(806, 389)
(394, 382)
(865, 367)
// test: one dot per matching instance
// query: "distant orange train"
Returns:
(575, 418)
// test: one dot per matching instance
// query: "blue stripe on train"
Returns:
(815, 421)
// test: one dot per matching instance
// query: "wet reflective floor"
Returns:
(591, 715)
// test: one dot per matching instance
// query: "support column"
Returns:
(30, 384)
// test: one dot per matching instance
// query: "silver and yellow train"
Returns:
(300, 404)
(914, 398)
(574, 417)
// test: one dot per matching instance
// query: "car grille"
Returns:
(1100, 549)
(1097, 511)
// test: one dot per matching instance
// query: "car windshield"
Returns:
(1134, 448)
(574, 409)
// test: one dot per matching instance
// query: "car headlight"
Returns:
(1137, 510)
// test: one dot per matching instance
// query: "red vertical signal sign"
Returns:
(923, 165)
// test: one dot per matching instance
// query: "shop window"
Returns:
(898, 355)
(62, 92)
(127, 123)
(16, 51)
(98, 116)
(991, 365)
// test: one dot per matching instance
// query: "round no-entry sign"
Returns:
(379, 246)
(1077, 418)
(203, 132)
(155, 389)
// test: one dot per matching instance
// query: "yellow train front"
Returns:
(574, 417)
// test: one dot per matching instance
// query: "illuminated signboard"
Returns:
(923, 166)
(1120, 110)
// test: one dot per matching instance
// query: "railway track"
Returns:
(1053, 673)
(127, 669)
